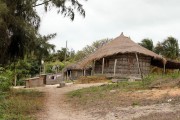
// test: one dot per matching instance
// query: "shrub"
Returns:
(5, 79)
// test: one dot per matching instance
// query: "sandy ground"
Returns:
(57, 107)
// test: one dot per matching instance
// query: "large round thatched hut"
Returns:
(122, 57)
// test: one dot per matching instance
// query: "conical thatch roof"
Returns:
(121, 44)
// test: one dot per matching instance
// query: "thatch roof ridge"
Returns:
(120, 44)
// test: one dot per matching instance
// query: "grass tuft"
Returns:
(20, 104)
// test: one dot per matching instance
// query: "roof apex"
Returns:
(122, 34)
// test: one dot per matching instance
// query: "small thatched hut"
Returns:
(123, 58)
(75, 70)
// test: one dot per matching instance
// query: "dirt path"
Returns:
(56, 107)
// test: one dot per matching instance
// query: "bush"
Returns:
(5, 80)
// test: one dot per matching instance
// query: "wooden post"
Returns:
(15, 74)
(66, 74)
(164, 69)
(103, 66)
(84, 72)
(93, 67)
(115, 62)
(65, 56)
(139, 65)
(70, 74)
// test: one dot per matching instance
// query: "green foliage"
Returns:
(24, 69)
(147, 43)
(125, 86)
(90, 49)
(53, 67)
(20, 105)
(60, 55)
(149, 79)
(168, 48)
(20, 23)
(6, 78)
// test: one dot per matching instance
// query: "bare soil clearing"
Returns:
(58, 107)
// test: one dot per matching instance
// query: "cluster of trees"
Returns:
(90, 49)
(22, 48)
(169, 48)
(19, 24)
(58, 58)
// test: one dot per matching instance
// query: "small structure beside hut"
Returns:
(35, 81)
(52, 79)
(75, 70)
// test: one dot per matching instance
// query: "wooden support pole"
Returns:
(84, 72)
(66, 74)
(93, 67)
(70, 74)
(139, 65)
(103, 66)
(164, 68)
(115, 62)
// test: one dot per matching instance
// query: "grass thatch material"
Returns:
(120, 45)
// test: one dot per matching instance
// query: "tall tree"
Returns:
(147, 43)
(43, 48)
(19, 23)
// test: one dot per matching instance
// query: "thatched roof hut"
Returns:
(121, 45)
(121, 57)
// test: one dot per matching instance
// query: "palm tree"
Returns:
(170, 48)
(147, 43)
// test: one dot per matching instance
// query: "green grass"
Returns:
(20, 104)
(160, 79)
(122, 93)
(101, 90)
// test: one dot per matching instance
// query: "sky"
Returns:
(137, 19)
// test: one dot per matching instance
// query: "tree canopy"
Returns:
(19, 23)
(147, 43)
(168, 48)
(90, 48)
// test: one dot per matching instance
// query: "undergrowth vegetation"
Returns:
(146, 83)
(20, 104)
(126, 93)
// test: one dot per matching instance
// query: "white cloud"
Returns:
(155, 19)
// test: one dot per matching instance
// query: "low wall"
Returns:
(34, 82)
(52, 79)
